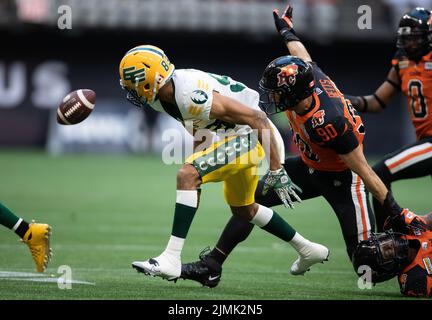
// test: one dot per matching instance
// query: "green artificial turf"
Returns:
(107, 211)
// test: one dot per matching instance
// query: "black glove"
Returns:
(390, 206)
(284, 24)
(401, 220)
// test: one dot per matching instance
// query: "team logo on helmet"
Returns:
(130, 74)
(287, 75)
(318, 118)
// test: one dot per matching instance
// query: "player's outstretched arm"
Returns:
(381, 98)
(284, 26)
(356, 161)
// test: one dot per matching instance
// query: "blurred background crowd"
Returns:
(40, 63)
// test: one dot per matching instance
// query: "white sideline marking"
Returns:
(37, 277)
(52, 280)
(11, 274)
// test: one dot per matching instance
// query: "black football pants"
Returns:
(344, 191)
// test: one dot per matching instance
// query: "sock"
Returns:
(185, 208)
(174, 246)
(11, 221)
(273, 223)
(235, 231)
(299, 243)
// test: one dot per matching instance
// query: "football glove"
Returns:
(284, 24)
(405, 222)
(401, 220)
(282, 185)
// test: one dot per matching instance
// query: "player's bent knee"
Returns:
(188, 178)
(245, 212)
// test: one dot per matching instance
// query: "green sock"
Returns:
(273, 223)
(183, 217)
(11, 221)
(7, 218)
(280, 228)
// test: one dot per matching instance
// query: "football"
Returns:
(76, 106)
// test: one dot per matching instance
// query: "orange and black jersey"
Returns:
(331, 127)
(416, 278)
(416, 84)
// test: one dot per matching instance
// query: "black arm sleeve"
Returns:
(358, 102)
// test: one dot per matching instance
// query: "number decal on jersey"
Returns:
(418, 101)
(327, 133)
(227, 81)
(355, 117)
(305, 148)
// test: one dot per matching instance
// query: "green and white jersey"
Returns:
(194, 97)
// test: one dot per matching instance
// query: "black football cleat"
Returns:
(206, 271)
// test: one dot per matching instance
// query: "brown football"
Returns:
(76, 106)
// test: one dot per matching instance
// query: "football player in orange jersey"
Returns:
(405, 252)
(411, 73)
(329, 134)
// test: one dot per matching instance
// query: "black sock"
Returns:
(235, 231)
(218, 255)
(22, 229)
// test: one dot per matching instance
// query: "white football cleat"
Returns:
(308, 256)
(165, 266)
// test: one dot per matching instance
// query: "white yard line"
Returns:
(38, 277)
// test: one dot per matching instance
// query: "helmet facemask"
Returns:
(275, 101)
(415, 45)
(414, 33)
(385, 253)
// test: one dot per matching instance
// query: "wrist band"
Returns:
(289, 35)
(394, 84)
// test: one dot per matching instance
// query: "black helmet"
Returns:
(414, 33)
(285, 82)
(385, 253)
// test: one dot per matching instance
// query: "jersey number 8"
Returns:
(417, 99)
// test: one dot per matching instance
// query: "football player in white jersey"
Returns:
(213, 102)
